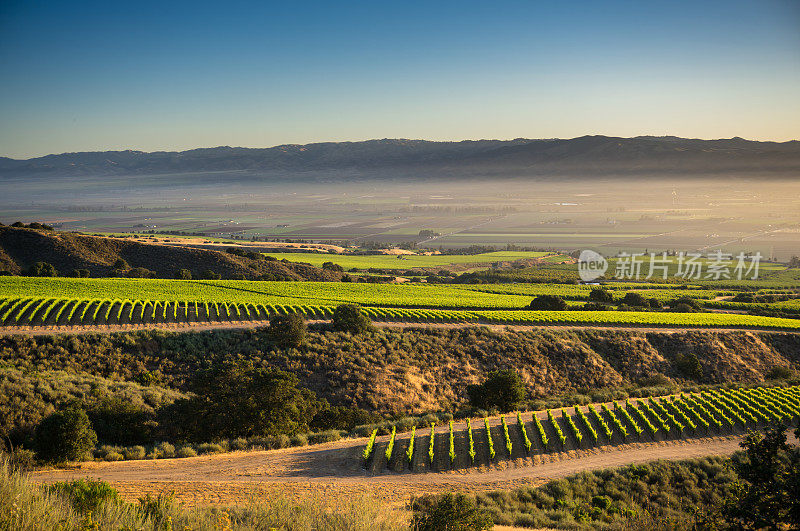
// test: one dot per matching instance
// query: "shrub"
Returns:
(183, 274)
(324, 436)
(689, 365)
(601, 295)
(65, 436)
(164, 450)
(350, 318)
(779, 373)
(208, 274)
(502, 389)
(209, 448)
(548, 302)
(86, 496)
(186, 451)
(635, 299)
(288, 330)
(42, 269)
(241, 400)
(117, 420)
(121, 264)
(140, 272)
(454, 512)
(134, 453)
(330, 266)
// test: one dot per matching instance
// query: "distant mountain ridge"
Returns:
(587, 155)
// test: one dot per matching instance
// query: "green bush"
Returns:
(350, 318)
(548, 302)
(42, 269)
(65, 436)
(86, 496)
(186, 451)
(288, 330)
(601, 295)
(134, 453)
(451, 512)
(502, 389)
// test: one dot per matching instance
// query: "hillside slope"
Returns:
(22, 247)
(422, 370)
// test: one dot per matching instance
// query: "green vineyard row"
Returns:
(670, 417)
(55, 311)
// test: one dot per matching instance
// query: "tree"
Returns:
(350, 318)
(601, 295)
(209, 274)
(767, 495)
(42, 269)
(237, 399)
(694, 304)
(330, 266)
(548, 302)
(140, 272)
(450, 512)
(65, 436)
(121, 264)
(183, 274)
(288, 330)
(635, 299)
(502, 389)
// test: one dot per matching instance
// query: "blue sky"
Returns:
(85, 76)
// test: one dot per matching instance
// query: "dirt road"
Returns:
(233, 325)
(335, 468)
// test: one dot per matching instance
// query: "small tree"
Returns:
(330, 266)
(548, 302)
(121, 264)
(209, 274)
(601, 295)
(450, 512)
(350, 318)
(65, 436)
(635, 299)
(769, 478)
(183, 274)
(42, 269)
(288, 330)
(502, 389)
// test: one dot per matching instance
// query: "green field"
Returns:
(102, 311)
(263, 292)
(405, 261)
(673, 417)
(70, 301)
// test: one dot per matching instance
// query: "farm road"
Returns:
(335, 469)
(233, 325)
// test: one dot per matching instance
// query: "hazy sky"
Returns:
(85, 76)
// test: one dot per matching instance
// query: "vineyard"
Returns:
(104, 311)
(687, 415)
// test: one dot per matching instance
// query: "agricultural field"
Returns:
(518, 435)
(33, 311)
(74, 301)
(410, 261)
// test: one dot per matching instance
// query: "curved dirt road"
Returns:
(334, 468)
(233, 325)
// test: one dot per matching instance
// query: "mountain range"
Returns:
(583, 156)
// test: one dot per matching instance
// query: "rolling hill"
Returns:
(583, 156)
